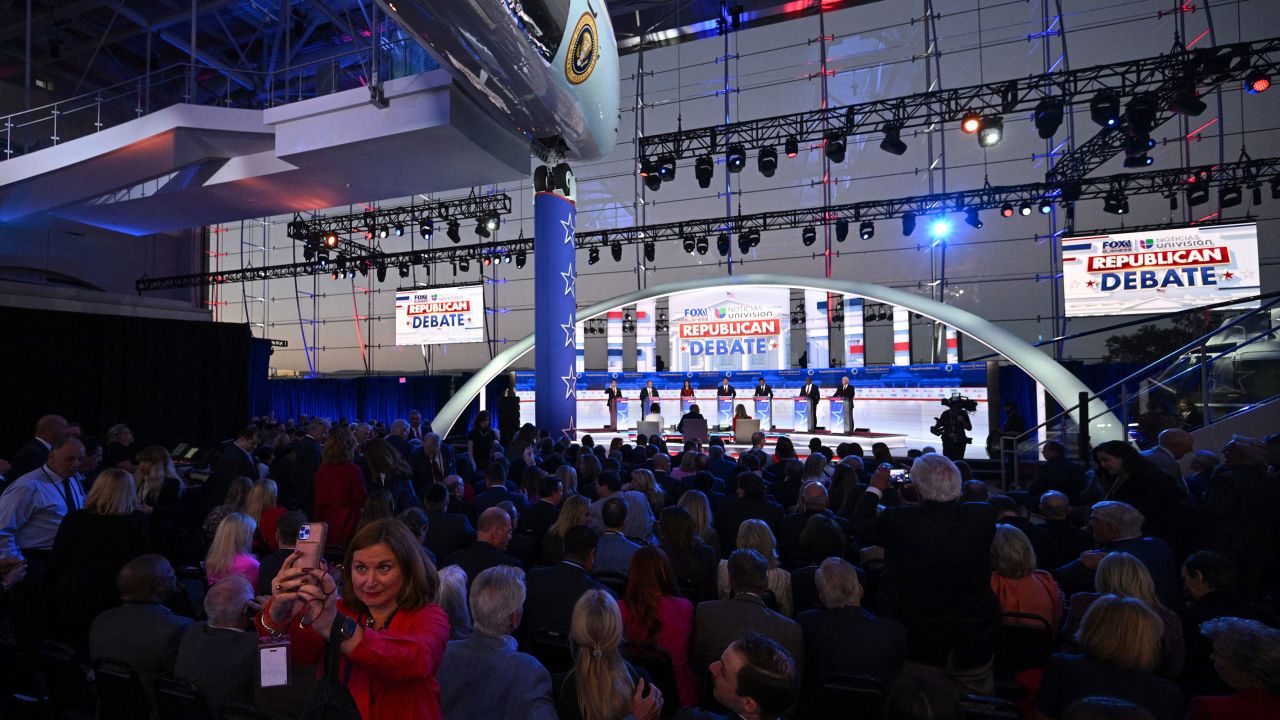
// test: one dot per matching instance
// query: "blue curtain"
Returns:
(382, 398)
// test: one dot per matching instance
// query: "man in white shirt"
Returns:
(33, 506)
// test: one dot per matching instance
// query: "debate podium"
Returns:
(764, 412)
(724, 412)
(620, 414)
(841, 416)
(803, 416)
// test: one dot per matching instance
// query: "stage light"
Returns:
(1187, 102)
(1138, 144)
(1104, 108)
(1230, 196)
(992, 131)
(383, 232)
(308, 252)
(667, 167)
(491, 223)
(808, 236)
(972, 219)
(452, 232)
(482, 229)
(1046, 207)
(892, 142)
(521, 258)
(399, 231)
(615, 250)
(404, 269)
(1024, 209)
(1137, 161)
(506, 258)
(363, 267)
(835, 147)
(464, 265)
(593, 256)
(428, 229)
(722, 244)
(971, 123)
(1256, 189)
(331, 240)
(792, 147)
(335, 275)
(1257, 81)
(703, 245)
(767, 161)
(867, 230)
(908, 223)
(744, 242)
(650, 251)
(1140, 114)
(1275, 188)
(842, 230)
(647, 167)
(653, 181)
(486, 261)
(1115, 203)
(703, 169)
(1197, 195)
(381, 272)
(1048, 117)
(687, 243)
(939, 230)
(1006, 210)
(736, 158)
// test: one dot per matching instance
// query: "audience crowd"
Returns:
(542, 578)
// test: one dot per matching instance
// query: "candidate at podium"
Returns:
(648, 394)
(725, 389)
(845, 392)
(686, 390)
(810, 391)
(612, 393)
(763, 389)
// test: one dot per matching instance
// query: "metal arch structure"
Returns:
(1060, 383)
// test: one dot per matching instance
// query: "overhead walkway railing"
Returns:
(198, 84)
(1228, 369)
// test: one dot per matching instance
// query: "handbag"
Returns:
(331, 700)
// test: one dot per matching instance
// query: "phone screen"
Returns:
(899, 476)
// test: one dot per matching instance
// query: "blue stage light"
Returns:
(940, 229)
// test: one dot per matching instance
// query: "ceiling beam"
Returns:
(136, 29)
(185, 46)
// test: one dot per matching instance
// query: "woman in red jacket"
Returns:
(340, 492)
(393, 634)
(654, 612)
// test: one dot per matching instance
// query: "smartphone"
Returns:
(311, 542)
(896, 476)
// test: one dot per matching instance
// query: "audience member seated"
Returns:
(786, 490)
(553, 590)
(231, 551)
(653, 612)
(91, 546)
(754, 678)
(521, 546)
(937, 574)
(142, 632)
(447, 532)
(693, 561)
(34, 504)
(1057, 473)
(493, 534)
(453, 600)
(1123, 575)
(415, 518)
(1018, 585)
(842, 637)
(219, 656)
(1247, 655)
(541, 515)
(236, 501)
(483, 677)
(822, 538)
(814, 501)
(973, 490)
(390, 633)
(286, 536)
(614, 551)
(643, 482)
(389, 471)
(1117, 527)
(1209, 582)
(159, 492)
(1131, 478)
(575, 511)
(1170, 446)
(749, 504)
(921, 692)
(718, 622)
(756, 535)
(496, 490)
(119, 450)
(1240, 505)
(639, 515)
(602, 685)
(1105, 708)
(700, 509)
(1120, 641)
(340, 493)
(235, 461)
(1063, 542)
(50, 431)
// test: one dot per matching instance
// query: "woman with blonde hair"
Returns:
(1120, 640)
(568, 478)
(642, 481)
(755, 535)
(340, 490)
(231, 551)
(574, 511)
(91, 546)
(688, 466)
(602, 685)
(1018, 585)
(1122, 574)
(699, 507)
(261, 506)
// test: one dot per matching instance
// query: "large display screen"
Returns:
(727, 329)
(1159, 271)
(440, 315)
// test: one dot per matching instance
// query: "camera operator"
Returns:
(952, 425)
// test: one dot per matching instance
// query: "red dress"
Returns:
(267, 526)
(676, 616)
(339, 498)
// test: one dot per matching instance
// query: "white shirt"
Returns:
(32, 509)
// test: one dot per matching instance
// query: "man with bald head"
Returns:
(220, 655)
(493, 535)
(1063, 542)
(814, 498)
(50, 430)
(1173, 444)
(34, 504)
(142, 631)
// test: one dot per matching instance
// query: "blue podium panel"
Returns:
(622, 415)
(837, 422)
(724, 411)
(764, 411)
(802, 421)
(685, 403)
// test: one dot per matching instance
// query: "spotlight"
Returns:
(1006, 210)
(1257, 194)
(491, 223)
(687, 243)
(1137, 161)
(722, 244)
(971, 123)
(1186, 102)
(1275, 188)
(1197, 195)
(1138, 144)
(1104, 108)
(1257, 81)
(1230, 196)
(404, 269)
(703, 169)
(808, 236)
(399, 231)
(521, 258)
(908, 223)
(767, 161)
(939, 230)
(703, 245)
(452, 232)
(507, 258)
(428, 229)
(593, 256)
(867, 230)
(842, 230)
(1140, 114)
(971, 218)
(1024, 209)
(835, 147)
(616, 251)
(667, 167)
(331, 240)
(1115, 203)
(482, 228)
(736, 158)
(992, 131)
(744, 242)
(792, 147)
(1046, 207)
(892, 142)
(650, 251)
(652, 180)
(1071, 191)
(381, 270)
(464, 265)
(1048, 117)
(383, 232)
(487, 261)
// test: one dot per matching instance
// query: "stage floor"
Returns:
(899, 444)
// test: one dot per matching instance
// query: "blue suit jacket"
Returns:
(483, 678)
(613, 553)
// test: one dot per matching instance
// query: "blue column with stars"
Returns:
(555, 303)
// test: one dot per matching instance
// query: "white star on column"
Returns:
(570, 280)
(569, 328)
(570, 383)
(570, 432)
(568, 231)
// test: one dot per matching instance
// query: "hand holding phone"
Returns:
(312, 538)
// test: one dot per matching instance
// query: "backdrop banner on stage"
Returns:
(555, 296)
(730, 329)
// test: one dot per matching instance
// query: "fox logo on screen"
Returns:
(439, 321)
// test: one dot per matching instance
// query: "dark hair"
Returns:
(751, 485)
(1105, 708)
(1216, 569)
(611, 480)
(495, 474)
(822, 539)
(248, 432)
(1129, 456)
(922, 693)
(784, 448)
(676, 530)
(379, 506)
(1003, 503)
(91, 444)
(650, 577)
(548, 485)
(703, 480)
(768, 675)
(793, 469)
(421, 582)
(579, 541)
(413, 518)
(288, 524)
(748, 571)
(814, 444)
(437, 494)
(613, 513)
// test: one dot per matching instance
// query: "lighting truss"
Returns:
(1163, 182)
(407, 216)
(1161, 75)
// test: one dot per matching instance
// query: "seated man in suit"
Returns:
(220, 656)
(718, 463)
(548, 607)
(496, 490)
(493, 535)
(753, 678)
(614, 551)
(1057, 473)
(1063, 541)
(540, 516)
(483, 677)
(695, 413)
(718, 623)
(749, 503)
(816, 502)
(842, 637)
(431, 463)
(447, 532)
(1117, 527)
(141, 632)
(50, 430)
